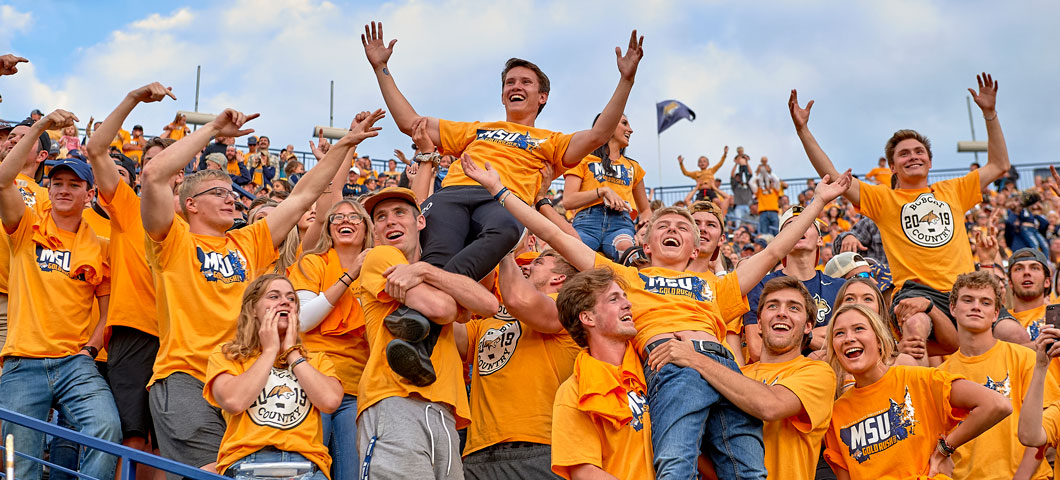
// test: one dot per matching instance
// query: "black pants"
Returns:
(468, 232)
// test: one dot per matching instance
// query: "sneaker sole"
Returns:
(405, 360)
(410, 329)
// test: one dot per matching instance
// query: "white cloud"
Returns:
(156, 22)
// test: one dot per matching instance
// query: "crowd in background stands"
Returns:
(255, 310)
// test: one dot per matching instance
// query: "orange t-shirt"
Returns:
(626, 175)
(923, 230)
(703, 177)
(282, 416)
(135, 306)
(888, 430)
(732, 303)
(1006, 368)
(379, 381)
(586, 437)
(1033, 320)
(36, 197)
(667, 301)
(516, 152)
(1051, 424)
(101, 227)
(120, 139)
(882, 175)
(199, 283)
(510, 360)
(793, 444)
(768, 200)
(176, 132)
(341, 333)
(56, 276)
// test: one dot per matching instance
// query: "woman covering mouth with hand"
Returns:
(898, 422)
(272, 391)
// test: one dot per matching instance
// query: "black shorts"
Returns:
(130, 362)
(911, 289)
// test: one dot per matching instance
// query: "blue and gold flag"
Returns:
(670, 111)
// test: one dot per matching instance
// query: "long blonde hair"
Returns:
(884, 341)
(325, 242)
(247, 343)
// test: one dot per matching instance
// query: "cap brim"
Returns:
(383, 195)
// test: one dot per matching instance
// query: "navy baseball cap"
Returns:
(78, 167)
(6, 125)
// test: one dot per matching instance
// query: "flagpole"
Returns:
(658, 157)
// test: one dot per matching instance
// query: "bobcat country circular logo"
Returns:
(496, 347)
(282, 403)
(927, 221)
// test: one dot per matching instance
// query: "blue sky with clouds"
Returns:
(872, 67)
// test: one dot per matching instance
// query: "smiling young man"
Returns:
(1004, 367)
(688, 412)
(1030, 279)
(601, 420)
(200, 270)
(792, 394)
(406, 430)
(467, 232)
(57, 274)
(921, 223)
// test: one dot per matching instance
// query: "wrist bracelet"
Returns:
(343, 277)
(505, 197)
(296, 363)
(282, 360)
(931, 306)
(944, 448)
(597, 192)
(991, 118)
(497, 197)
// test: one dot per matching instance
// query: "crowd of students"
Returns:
(459, 318)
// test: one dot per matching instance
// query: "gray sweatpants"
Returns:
(401, 438)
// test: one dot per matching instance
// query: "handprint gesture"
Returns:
(230, 122)
(153, 92)
(799, 116)
(372, 40)
(987, 96)
(627, 64)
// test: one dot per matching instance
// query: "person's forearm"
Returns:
(396, 103)
(754, 269)
(1030, 432)
(423, 181)
(103, 168)
(314, 181)
(96, 339)
(467, 292)
(236, 393)
(605, 125)
(1028, 464)
(820, 161)
(559, 221)
(996, 150)
(324, 392)
(685, 172)
(579, 199)
(570, 247)
(979, 419)
(175, 157)
(754, 398)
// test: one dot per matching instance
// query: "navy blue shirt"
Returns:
(822, 288)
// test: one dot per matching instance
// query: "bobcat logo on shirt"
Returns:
(691, 287)
(881, 430)
(1003, 387)
(512, 139)
(222, 267)
(823, 310)
(637, 406)
(28, 196)
(1034, 329)
(927, 221)
(282, 403)
(622, 175)
(497, 345)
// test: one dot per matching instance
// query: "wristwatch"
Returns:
(433, 157)
(543, 202)
(92, 351)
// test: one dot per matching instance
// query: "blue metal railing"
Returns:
(128, 457)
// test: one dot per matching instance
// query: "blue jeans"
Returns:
(768, 222)
(31, 386)
(340, 436)
(600, 228)
(271, 455)
(740, 212)
(689, 417)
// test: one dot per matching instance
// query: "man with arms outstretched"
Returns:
(200, 270)
(462, 210)
(669, 302)
(921, 224)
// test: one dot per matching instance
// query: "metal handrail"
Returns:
(128, 457)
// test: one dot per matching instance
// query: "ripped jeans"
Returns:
(601, 228)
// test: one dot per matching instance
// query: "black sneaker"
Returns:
(411, 362)
(407, 324)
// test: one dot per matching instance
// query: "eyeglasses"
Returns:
(219, 192)
(353, 218)
(863, 275)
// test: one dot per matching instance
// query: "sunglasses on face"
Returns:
(353, 218)
(863, 275)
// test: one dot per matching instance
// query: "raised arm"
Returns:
(577, 253)
(12, 206)
(752, 270)
(156, 206)
(1031, 433)
(525, 302)
(103, 168)
(997, 162)
(824, 166)
(585, 141)
(724, 153)
(286, 215)
(399, 107)
(408, 281)
(685, 172)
